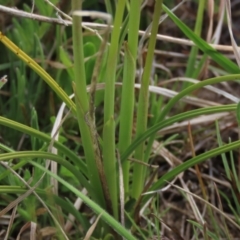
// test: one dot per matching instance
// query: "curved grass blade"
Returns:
(194, 87)
(95, 207)
(223, 61)
(190, 163)
(46, 155)
(46, 138)
(65, 204)
(238, 113)
(172, 120)
(39, 70)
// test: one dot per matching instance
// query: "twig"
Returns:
(58, 10)
(20, 13)
(33, 16)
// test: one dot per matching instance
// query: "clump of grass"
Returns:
(118, 162)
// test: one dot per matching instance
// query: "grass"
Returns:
(128, 154)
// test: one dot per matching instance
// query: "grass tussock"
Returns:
(119, 120)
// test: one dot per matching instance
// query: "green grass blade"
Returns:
(223, 155)
(111, 168)
(194, 51)
(95, 207)
(46, 155)
(172, 120)
(194, 87)
(47, 139)
(190, 163)
(109, 158)
(39, 70)
(82, 104)
(127, 97)
(65, 205)
(142, 111)
(238, 113)
(223, 61)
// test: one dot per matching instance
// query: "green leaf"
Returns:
(190, 163)
(172, 120)
(223, 61)
(65, 59)
(89, 50)
(238, 113)
(95, 207)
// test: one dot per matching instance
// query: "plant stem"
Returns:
(82, 104)
(109, 158)
(138, 178)
(194, 51)
(127, 98)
